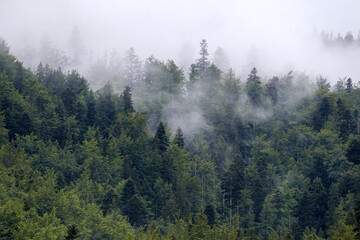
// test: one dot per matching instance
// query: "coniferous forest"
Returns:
(259, 158)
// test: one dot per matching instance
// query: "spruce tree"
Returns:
(349, 85)
(203, 63)
(133, 205)
(253, 88)
(128, 191)
(357, 217)
(132, 69)
(210, 213)
(161, 140)
(200, 229)
(178, 138)
(345, 121)
(73, 232)
(321, 114)
(194, 76)
(233, 182)
(353, 150)
(4, 47)
(127, 101)
(19, 81)
(91, 109)
(272, 90)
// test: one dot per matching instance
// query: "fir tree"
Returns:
(233, 181)
(132, 69)
(353, 150)
(253, 88)
(127, 101)
(357, 218)
(73, 232)
(210, 213)
(161, 140)
(349, 85)
(203, 63)
(178, 138)
(272, 90)
(91, 109)
(321, 114)
(4, 47)
(200, 229)
(19, 82)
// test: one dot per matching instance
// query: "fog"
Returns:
(274, 36)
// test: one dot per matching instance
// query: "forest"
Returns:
(159, 153)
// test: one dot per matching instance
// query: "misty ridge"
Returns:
(180, 94)
(139, 119)
(321, 54)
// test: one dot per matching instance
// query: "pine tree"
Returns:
(4, 47)
(288, 236)
(200, 229)
(233, 182)
(127, 101)
(73, 232)
(203, 63)
(3, 131)
(135, 209)
(19, 81)
(349, 85)
(176, 76)
(322, 83)
(210, 213)
(133, 205)
(40, 73)
(345, 121)
(321, 114)
(253, 88)
(132, 69)
(105, 109)
(91, 109)
(252, 235)
(353, 150)
(161, 140)
(356, 121)
(128, 191)
(272, 90)
(178, 138)
(357, 217)
(312, 206)
(194, 76)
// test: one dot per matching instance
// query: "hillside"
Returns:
(204, 156)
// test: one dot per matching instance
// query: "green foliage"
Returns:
(253, 88)
(161, 140)
(200, 229)
(210, 213)
(179, 138)
(72, 232)
(353, 151)
(78, 164)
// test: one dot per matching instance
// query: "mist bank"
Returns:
(189, 98)
(311, 53)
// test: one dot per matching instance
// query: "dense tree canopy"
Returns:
(156, 155)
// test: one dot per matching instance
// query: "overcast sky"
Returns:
(278, 29)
